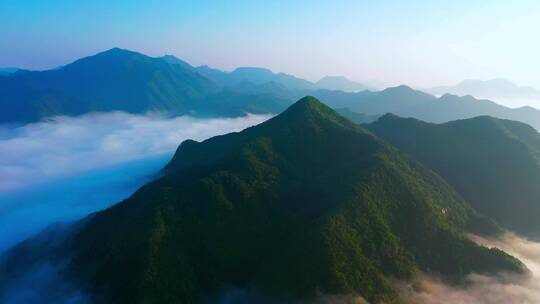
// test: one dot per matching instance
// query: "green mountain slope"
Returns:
(306, 202)
(492, 163)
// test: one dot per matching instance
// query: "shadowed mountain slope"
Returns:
(493, 163)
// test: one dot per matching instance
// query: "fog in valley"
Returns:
(479, 289)
(67, 167)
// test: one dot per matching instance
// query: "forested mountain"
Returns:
(493, 163)
(302, 204)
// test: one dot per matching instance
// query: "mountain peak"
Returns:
(117, 51)
(309, 102)
(451, 97)
(309, 114)
(389, 116)
(253, 69)
(113, 55)
(399, 89)
(402, 87)
(404, 93)
(115, 79)
(311, 108)
(306, 117)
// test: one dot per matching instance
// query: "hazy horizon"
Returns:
(417, 43)
(372, 84)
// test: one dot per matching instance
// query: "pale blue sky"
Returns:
(421, 43)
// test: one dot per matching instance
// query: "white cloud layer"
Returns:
(66, 168)
(504, 289)
(65, 146)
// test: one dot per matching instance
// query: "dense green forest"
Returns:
(493, 163)
(304, 204)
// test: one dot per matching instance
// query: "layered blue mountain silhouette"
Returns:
(128, 81)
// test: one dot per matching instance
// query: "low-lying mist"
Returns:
(500, 289)
(66, 146)
(503, 289)
(67, 167)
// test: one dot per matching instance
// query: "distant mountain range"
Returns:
(128, 81)
(494, 88)
(340, 83)
(306, 203)
(259, 76)
(404, 101)
(123, 80)
(175, 60)
(113, 80)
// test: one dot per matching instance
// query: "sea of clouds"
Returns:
(67, 167)
(501, 289)
(65, 146)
